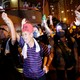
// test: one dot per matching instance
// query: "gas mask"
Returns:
(36, 33)
(60, 31)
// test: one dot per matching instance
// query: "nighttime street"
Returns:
(39, 39)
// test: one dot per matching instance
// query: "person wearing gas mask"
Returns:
(65, 53)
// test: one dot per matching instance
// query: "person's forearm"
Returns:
(50, 18)
(10, 25)
(12, 29)
(45, 61)
(45, 25)
(46, 64)
(47, 29)
(50, 59)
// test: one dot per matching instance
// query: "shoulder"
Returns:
(74, 42)
(44, 48)
(73, 39)
(43, 45)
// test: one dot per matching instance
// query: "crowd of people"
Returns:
(27, 5)
(40, 47)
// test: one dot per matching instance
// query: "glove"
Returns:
(43, 20)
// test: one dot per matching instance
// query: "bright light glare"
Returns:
(64, 19)
(14, 3)
(1, 7)
(13, 0)
(62, 11)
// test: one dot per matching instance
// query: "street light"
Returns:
(62, 11)
(64, 19)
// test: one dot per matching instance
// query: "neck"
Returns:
(31, 43)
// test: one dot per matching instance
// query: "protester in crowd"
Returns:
(50, 32)
(77, 14)
(38, 6)
(65, 53)
(8, 57)
(25, 5)
(40, 34)
(36, 58)
(76, 32)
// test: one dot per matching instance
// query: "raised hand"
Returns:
(77, 13)
(23, 22)
(78, 7)
(4, 16)
(77, 18)
(44, 21)
(77, 22)
(10, 25)
(50, 18)
(46, 69)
